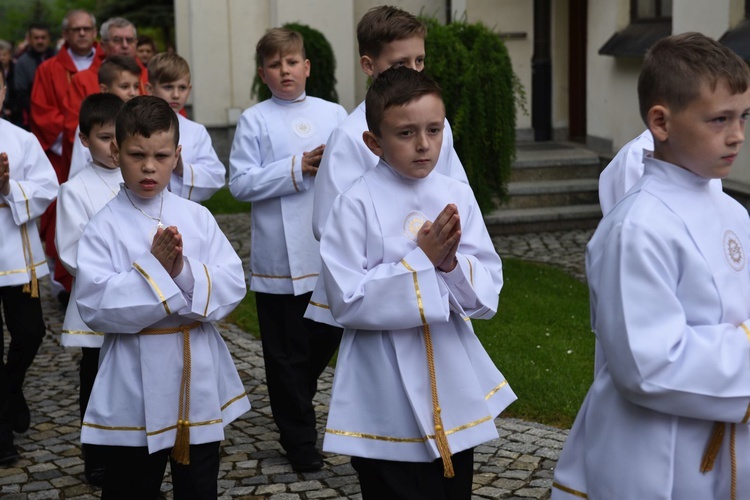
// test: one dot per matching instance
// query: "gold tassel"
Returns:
(443, 447)
(713, 447)
(34, 284)
(181, 450)
(27, 288)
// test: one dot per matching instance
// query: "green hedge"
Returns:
(322, 80)
(472, 66)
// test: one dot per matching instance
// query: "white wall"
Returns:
(512, 16)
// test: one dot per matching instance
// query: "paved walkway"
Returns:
(518, 465)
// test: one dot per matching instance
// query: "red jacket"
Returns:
(51, 82)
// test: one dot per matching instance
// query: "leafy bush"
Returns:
(474, 70)
(322, 81)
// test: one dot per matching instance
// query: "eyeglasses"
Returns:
(84, 29)
(118, 40)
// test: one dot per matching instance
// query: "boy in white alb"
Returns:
(119, 75)
(199, 173)
(79, 199)
(273, 163)
(387, 36)
(154, 272)
(28, 184)
(406, 261)
(667, 414)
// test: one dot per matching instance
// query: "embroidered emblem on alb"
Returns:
(733, 251)
(302, 127)
(413, 223)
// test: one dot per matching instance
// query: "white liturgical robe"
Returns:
(33, 186)
(78, 200)
(670, 307)
(146, 315)
(266, 169)
(384, 289)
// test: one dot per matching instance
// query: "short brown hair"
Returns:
(167, 67)
(113, 66)
(675, 67)
(279, 41)
(146, 115)
(385, 24)
(98, 109)
(396, 86)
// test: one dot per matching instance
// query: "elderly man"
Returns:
(79, 52)
(38, 51)
(118, 39)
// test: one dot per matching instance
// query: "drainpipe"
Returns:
(541, 72)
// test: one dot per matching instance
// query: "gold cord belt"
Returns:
(712, 451)
(32, 286)
(181, 449)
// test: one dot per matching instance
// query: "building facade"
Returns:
(578, 60)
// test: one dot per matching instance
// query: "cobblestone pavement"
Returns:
(517, 465)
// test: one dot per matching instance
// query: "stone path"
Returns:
(517, 465)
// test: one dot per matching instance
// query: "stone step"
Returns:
(529, 220)
(546, 193)
(554, 161)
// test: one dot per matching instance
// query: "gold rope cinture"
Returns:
(181, 449)
(440, 437)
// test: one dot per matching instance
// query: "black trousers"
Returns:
(87, 370)
(22, 315)
(132, 473)
(393, 480)
(296, 350)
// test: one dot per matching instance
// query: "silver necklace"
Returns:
(161, 206)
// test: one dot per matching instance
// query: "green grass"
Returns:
(540, 339)
(222, 202)
(245, 315)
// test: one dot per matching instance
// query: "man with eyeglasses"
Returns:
(80, 52)
(119, 38)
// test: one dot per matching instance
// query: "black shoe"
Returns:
(94, 475)
(22, 420)
(8, 455)
(305, 459)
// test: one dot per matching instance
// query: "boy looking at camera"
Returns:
(414, 390)
(154, 272)
(273, 164)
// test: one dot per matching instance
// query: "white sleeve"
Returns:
(253, 177)
(655, 358)
(72, 218)
(33, 183)
(343, 162)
